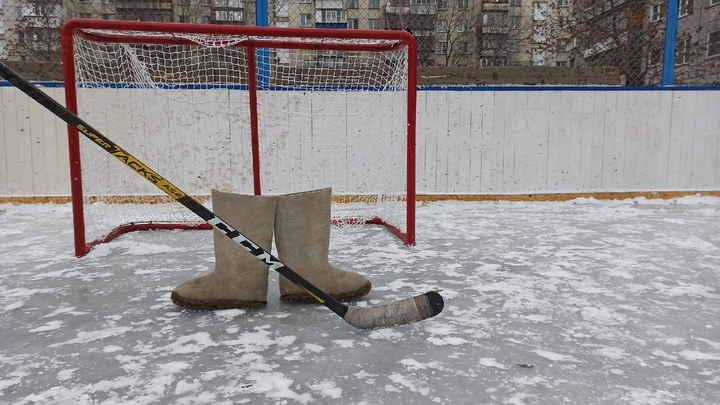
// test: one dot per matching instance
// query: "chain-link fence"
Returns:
(628, 35)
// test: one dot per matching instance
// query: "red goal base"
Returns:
(81, 251)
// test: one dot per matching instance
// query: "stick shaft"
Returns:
(168, 188)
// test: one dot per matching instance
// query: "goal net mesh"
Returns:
(181, 104)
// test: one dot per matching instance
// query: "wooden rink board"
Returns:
(474, 143)
(650, 195)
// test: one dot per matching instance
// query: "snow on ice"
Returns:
(580, 302)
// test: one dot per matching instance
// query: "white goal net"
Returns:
(240, 109)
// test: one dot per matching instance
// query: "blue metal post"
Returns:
(263, 54)
(261, 13)
(668, 75)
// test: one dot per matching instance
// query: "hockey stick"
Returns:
(393, 314)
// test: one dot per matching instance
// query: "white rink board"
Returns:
(468, 142)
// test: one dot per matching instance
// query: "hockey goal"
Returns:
(257, 110)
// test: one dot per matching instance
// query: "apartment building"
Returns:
(3, 46)
(624, 33)
(630, 34)
(449, 32)
(697, 49)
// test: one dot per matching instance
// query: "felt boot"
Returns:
(302, 237)
(240, 280)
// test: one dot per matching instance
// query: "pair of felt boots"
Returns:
(301, 225)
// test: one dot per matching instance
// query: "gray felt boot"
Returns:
(302, 237)
(240, 280)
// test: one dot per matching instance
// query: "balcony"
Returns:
(497, 52)
(329, 4)
(330, 16)
(419, 9)
(494, 29)
(229, 16)
(496, 5)
(144, 5)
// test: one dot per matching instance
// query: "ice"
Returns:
(581, 302)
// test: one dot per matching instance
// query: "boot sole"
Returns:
(305, 298)
(214, 304)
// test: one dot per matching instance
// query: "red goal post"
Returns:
(260, 110)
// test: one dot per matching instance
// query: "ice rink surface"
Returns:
(581, 302)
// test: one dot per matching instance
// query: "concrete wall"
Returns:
(474, 141)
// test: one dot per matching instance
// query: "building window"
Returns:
(230, 3)
(281, 8)
(462, 48)
(686, 7)
(374, 4)
(441, 48)
(540, 11)
(443, 4)
(463, 4)
(513, 45)
(494, 19)
(224, 15)
(495, 61)
(714, 43)
(374, 24)
(516, 3)
(655, 57)
(26, 38)
(306, 20)
(562, 45)
(461, 26)
(564, 22)
(493, 41)
(442, 26)
(538, 34)
(332, 16)
(185, 19)
(564, 3)
(514, 22)
(682, 52)
(538, 57)
(85, 15)
(305, 1)
(352, 4)
(352, 23)
(655, 13)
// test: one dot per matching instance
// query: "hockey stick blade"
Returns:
(393, 314)
(396, 313)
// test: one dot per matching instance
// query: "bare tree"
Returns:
(192, 11)
(540, 35)
(418, 17)
(697, 45)
(36, 33)
(617, 33)
(494, 38)
(454, 27)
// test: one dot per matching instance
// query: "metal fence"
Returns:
(651, 42)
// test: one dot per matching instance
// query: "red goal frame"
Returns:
(260, 37)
